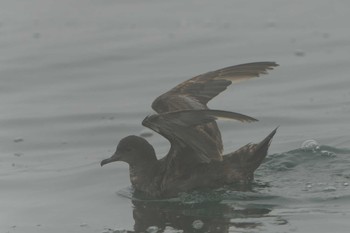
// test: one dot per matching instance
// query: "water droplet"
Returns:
(119, 231)
(330, 189)
(169, 229)
(197, 224)
(152, 229)
(346, 184)
(310, 145)
(327, 153)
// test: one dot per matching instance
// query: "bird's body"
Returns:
(195, 159)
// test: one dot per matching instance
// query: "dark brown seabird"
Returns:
(195, 159)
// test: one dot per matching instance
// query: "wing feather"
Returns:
(178, 127)
(194, 94)
(202, 88)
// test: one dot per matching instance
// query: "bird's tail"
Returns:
(250, 156)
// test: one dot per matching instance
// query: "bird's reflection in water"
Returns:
(187, 215)
(205, 217)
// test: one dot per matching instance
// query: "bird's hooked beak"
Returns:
(115, 157)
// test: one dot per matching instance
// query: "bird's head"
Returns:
(132, 150)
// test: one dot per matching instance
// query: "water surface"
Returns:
(78, 76)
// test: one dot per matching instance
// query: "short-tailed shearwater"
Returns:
(195, 159)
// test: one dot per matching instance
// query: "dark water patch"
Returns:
(214, 211)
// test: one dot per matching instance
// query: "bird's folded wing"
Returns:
(178, 128)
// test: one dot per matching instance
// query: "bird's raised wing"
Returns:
(178, 128)
(196, 92)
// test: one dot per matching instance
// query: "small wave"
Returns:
(310, 151)
(333, 199)
(313, 146)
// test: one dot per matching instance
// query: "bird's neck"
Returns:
(143, 172)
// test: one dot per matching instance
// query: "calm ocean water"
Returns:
(77, 76)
